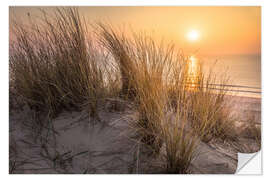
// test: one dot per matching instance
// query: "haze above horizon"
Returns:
(209, 30)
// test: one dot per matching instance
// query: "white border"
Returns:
(136, 2)
(4, 74)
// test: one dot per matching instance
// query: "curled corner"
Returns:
(249, 163)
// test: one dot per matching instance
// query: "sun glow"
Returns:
(192, 65)
(193, 35)
(192, 72)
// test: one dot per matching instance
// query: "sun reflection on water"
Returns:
(192, 73)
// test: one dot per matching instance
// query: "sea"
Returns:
(243, 71)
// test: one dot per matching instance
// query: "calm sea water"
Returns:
(244, 72)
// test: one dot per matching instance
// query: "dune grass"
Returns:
(253, 130)
(150, 76)
(56, 65)
(142, 63)
(210, 113)
(119, 47)
(179, 140)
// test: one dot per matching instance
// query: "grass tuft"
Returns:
(179, 140)
(54, 65)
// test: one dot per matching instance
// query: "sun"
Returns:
(193, 35)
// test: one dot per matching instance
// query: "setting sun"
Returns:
(193, 35)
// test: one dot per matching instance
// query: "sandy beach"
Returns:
(105, 147)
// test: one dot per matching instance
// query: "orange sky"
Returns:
(222, 30)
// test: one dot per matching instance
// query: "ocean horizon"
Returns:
(244, 72)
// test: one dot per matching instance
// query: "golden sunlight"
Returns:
(192, 65)
(193, 35)
(192, 72)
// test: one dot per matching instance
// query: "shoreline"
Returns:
(246, 108)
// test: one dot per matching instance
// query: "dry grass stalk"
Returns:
(54, 65)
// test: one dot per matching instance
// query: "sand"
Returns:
(81, 146)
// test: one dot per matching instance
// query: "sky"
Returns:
(213, 30)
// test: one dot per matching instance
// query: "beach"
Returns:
(105, 147)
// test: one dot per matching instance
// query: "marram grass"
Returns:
(56, 65)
